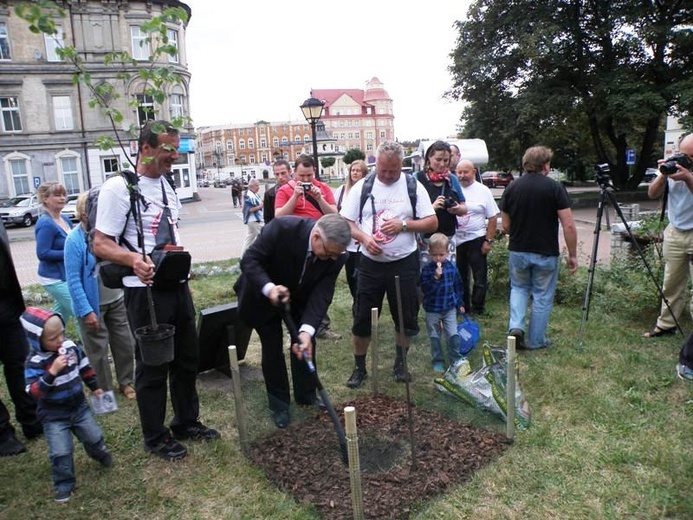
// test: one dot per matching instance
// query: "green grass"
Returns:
(610, 434)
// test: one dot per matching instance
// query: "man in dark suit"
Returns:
(294, 259)
(14, 349)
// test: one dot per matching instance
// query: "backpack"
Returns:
(91, 206)
(368, 188)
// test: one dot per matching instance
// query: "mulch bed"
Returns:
(305, 459)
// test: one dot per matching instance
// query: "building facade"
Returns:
(352, 119)
(48, 128)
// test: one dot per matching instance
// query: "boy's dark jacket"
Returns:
(57, 396)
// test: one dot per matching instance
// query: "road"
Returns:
(212, 229)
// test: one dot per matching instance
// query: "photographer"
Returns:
(678, 236)
(158, 150)
(304, 196)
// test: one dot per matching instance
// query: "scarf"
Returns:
(438, 177)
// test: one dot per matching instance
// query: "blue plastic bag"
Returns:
(469, 333)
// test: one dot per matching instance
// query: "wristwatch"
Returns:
(404, 226)
(489, 240)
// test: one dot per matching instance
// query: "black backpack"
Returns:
(368, 188)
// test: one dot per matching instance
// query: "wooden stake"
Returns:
(354, 462)
(238, 399)
(510, 389)
(374, 351)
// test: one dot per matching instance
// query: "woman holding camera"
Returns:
(445, 192)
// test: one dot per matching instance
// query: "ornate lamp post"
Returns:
(312, 109)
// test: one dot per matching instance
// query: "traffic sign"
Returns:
(630, 157)
(37, 182)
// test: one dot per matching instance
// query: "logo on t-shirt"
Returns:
(380, 219)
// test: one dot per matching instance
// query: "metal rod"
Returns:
(375, 387)
(405, 351)
(510, 389)
(238, 399)
(354, 462)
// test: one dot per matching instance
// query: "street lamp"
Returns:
(312, 110)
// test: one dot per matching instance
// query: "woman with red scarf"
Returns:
(445, 192)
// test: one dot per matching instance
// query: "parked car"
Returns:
(20, 211)
(650, 175)
(497, 179)
(70, 209)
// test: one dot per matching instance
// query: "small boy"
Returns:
(442, 299)
(54, 373)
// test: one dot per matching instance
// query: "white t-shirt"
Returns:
(390, 202)
(480, 206)
(114, 206)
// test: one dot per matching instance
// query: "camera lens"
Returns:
(668, 168)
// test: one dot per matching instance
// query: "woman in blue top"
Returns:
(51, 230)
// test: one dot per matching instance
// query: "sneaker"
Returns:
(106, 461)
(519, 335)
(128, 392)
(195, 432)
(328, 334)
(63, 495)
(438, 366)
(398, 371)
(357, 377)
(684, 372)
(11, 447)
(169, 449)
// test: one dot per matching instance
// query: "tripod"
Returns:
(607, 197)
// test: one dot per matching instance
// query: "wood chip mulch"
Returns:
(305, 461)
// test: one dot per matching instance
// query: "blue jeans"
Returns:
(449, 321)
(59, 439)
(535, 274)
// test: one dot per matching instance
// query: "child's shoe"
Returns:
(438, 366)
(63, 495)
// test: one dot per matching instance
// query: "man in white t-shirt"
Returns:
(158, 149)
(386, 228)
(474, 237)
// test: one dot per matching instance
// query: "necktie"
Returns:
(310, 258)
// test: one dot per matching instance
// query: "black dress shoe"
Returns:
(11, 446)
(316, 400)
(281, 418)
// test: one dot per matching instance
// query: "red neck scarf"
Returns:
(438, 177)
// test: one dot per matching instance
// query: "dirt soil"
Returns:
(305, 461)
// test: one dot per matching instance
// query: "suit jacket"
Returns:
(278, 255)
(11, 298)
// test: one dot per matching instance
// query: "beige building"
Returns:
(352, 119)
(48, 129)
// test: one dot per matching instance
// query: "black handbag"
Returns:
(171, 263)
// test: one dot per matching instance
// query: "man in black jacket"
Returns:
(297, 260)
(13, 352)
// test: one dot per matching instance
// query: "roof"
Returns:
(330, 95)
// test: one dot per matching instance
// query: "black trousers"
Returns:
(351, 268)
(174, 307)
(14, 349)
(686, 354)
(470, 259)
(274, 368)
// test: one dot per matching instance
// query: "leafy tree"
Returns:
(354, 155)
(590, 78)
(157, 74)
(327, 161)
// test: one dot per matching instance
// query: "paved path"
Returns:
(211, 229)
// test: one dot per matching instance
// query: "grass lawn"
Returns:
(611, 433)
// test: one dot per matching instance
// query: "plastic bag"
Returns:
(485, 388)
(469, 333)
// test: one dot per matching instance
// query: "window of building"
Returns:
(229, 146)
(306, 138)
(243, 159)
(176, 102)
(110, 166)
(369, 147)
(251, 143)
(241, 144)
(69, 168)
(252, 159)
(19, 171)
(275, 141)
(369, 135)
(140, 45)
(62, 113)
(11, 122)
(4, 42)
(263, 143)
(285, 140)
(264, 157)
(145, 108)
(357, 135)
(350, 135)
(382, 134)
(53, 43)
(173, 41)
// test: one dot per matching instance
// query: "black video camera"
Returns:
(668, 167)
(602, 172)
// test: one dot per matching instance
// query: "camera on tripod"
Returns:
(602, 172)
(668, 167)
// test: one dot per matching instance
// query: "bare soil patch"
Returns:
(304, 460)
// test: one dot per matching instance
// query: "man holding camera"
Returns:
(158, 150)
(305, 196)
(678, 235)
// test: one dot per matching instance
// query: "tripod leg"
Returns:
(643, 258)
(593, 262)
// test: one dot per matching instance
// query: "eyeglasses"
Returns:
(332, 254)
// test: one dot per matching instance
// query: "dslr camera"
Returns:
(449, 203)
(668, 167)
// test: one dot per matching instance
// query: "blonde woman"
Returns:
(357, 171)
(51, 231)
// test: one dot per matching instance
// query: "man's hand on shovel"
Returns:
(302, 349)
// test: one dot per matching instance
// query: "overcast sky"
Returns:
(258, 59)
